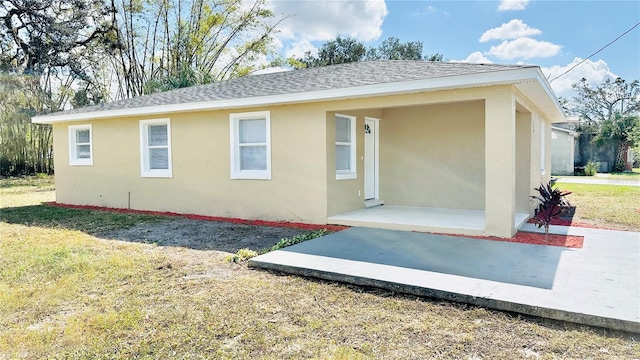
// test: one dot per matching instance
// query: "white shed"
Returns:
(562, 150)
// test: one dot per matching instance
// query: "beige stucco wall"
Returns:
(433, 155)
(524, 130)
(536, 176)
(201, 181)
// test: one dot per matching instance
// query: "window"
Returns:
(80, 145)
(345, 147)
(250, 145)
(155, 148)
(542, 149)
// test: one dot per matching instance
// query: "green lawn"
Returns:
(606, 205)
(65, 293)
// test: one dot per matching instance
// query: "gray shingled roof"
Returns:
(304, 80)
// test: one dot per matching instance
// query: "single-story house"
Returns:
(563, 143)
(446, 147)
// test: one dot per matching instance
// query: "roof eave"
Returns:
(547, 100)
(570, 132)
(514, 76)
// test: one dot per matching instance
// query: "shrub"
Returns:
(242, 255)
(618, 166)
(296, 240)
(246, 254)
(591, 168)
(551, 204)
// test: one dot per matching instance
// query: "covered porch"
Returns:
(466, 165)
(424, 219)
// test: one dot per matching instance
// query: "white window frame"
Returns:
(542, 148)
(73, 145)
(351, 173)
(145, 171)
(234, 133)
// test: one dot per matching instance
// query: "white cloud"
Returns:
(299, 48)
(594, 71)
(429, 10)
(512, 30)
(524, 48)
(512, 5)
(324, 20)
(476, 57)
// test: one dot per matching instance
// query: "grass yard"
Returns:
(26, 191)
(67, 294)
(610, 206)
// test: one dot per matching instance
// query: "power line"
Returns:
(602, 48)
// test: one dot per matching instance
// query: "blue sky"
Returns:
(552, 34)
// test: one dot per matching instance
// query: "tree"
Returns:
(46, 48)
(393, 49)
(612, 108)
(168, 44)
(345, 50)
(338, 51)
(55, 40)
(625, 130)
(46, 35)
(604, 101)
(25, 148)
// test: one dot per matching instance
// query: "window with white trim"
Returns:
(80, 145)
(250, 145)
(345, 147)
(155, 148)
(542, 149)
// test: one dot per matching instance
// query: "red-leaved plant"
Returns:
(551, 204)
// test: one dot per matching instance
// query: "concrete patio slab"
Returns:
(424, 219)
(597, 285)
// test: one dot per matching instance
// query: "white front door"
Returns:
(370, 158)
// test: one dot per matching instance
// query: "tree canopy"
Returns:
(612, 110)
(606, 100)
(175, 43)
(347, 49)
(41, 35)
(47, 48)
(393, 49)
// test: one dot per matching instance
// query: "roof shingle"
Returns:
(303, 80)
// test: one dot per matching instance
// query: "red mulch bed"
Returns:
(568, 222)
(571, 241)
(287, 224)
(525, 237)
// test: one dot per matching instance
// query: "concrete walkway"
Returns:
(596, 180)
(597, 285)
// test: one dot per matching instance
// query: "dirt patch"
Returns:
(203, 235)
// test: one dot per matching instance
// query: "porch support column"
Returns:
(500, 163)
